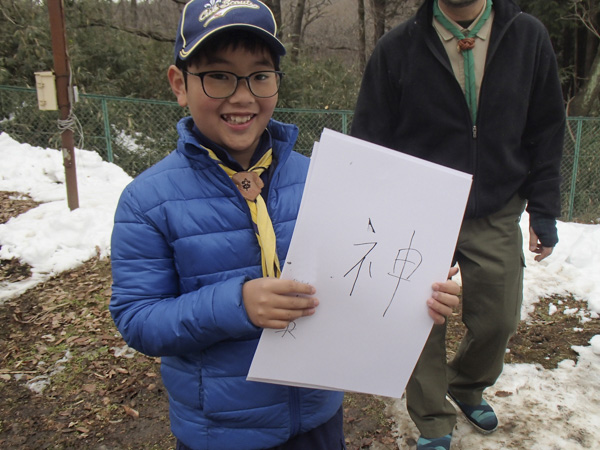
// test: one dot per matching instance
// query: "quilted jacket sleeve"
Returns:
(147, 306)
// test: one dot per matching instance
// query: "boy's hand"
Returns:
(444, 298)
(274, 303)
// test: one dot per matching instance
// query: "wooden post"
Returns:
(62, 72)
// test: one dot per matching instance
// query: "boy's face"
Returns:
(236, 122)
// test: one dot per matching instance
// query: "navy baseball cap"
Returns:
(201, 19)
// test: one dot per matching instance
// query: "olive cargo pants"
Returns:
(489, 253)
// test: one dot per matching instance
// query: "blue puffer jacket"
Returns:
(182, 247)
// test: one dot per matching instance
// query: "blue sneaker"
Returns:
(481, 416)
(441, 443)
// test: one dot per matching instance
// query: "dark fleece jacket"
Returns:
(411, 101)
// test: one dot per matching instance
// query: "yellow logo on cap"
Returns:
(219, 8)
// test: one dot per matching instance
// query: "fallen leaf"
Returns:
(131, 412)
(89, 388)
(503, 394)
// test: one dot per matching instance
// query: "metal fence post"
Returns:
(109, 153)
(345, 123)
(574, 172)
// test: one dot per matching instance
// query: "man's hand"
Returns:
(536, 246)
(274, 303)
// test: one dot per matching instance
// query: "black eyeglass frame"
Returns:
(201, 75)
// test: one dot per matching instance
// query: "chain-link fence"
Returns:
(580, 170)
(136, 133)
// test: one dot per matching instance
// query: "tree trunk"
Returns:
(362, 44)
(296, 32)
(587, 101)
(591, 47)
(275, 6)
(134, 13)
(378, 19)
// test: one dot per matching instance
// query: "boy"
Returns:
(199, 239)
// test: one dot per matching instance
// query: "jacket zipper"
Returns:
(474, 144)
(294, 411)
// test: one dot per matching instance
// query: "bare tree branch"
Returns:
(159, 37)
(585, 12)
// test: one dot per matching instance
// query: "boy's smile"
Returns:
(237, 122)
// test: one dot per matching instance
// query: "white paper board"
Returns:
(376, 229)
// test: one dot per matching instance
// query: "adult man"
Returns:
(473, 86)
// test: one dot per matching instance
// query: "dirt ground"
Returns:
(65, 384)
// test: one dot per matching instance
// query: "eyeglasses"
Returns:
(220, 84)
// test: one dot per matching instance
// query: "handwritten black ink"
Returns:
(360, 263)
(288, 330)
(407, 253)
(371, 225)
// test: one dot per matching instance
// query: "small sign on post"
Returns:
(45, 84)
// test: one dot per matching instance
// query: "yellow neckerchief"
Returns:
(250, 185)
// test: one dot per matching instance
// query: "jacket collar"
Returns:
(283, 137)
(504, 12)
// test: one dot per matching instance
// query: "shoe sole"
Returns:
(477, 427)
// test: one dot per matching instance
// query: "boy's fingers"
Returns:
(453, 271)
(444, 299)
(438, 310)
(274, 303)
(293, 286)
(282, 318)
(277, 324)
(449, 287)
(438, 317)
(282, 287)
(300, 303)
(291, 315)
